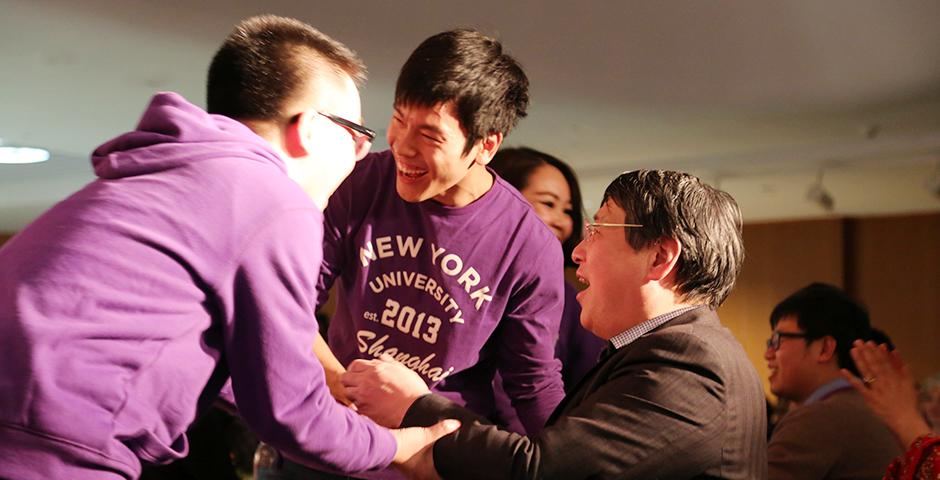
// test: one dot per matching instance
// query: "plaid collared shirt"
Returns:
(631, 334)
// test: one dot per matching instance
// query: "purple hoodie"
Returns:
(125, 307)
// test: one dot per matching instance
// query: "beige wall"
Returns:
(890, 264)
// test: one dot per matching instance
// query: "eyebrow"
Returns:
(546, 192)
(424, 127)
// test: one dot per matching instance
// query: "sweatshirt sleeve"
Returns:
(527, 336)
(278, 383)
(333, 253)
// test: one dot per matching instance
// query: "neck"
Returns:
(474, 185)
(660, 301)
(298, 169)
(826, 374)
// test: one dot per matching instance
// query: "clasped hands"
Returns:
(384, 390)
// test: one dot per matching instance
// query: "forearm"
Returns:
(534, 394)
(492, 449)
(332, 368)
(908, 428)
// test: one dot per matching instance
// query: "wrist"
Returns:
(909, 429)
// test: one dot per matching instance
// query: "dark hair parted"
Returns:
(706, 222)
(488, 87)
(825, 310)
(266, 60)
(515, 165)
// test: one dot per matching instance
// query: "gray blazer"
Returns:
(682, 401)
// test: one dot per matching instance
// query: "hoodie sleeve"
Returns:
(278, 383)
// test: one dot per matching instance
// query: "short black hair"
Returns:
(706, 222)
(515, 165)
(823, 310)
(266, 60)
(880, 337)
(488, 87)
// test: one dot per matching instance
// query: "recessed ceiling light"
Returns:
(23, 155)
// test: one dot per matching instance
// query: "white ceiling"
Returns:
(756, 96)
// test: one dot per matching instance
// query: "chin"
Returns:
(410, 194)
(407, 194)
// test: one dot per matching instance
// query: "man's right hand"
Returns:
(414, 456)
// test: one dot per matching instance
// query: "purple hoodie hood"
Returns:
(169, 122)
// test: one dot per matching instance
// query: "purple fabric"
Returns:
(577, 349)
(454, 293)
(124, 308)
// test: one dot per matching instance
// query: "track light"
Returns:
(818, 194)
(933, 181)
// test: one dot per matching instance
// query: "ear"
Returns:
(827, 350)
(664, 255)
(488, 147)
(297, 135)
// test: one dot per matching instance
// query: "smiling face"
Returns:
(614, 274)
(793, 366)
(547, 190)
(428, 145)
(930, 405)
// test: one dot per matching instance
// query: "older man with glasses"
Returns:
(674, 395)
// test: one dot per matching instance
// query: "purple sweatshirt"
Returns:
(454, 293)
(577, 349)
(124, 308)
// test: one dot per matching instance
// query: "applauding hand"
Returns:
(888, 389)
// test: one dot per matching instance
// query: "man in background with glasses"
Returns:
(674, 395)
(829, 432)
(192, 259)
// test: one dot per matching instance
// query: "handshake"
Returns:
(384, 390)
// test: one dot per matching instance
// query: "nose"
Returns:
(578, 253)
(399, 140)
(769, 353)
(559, 221)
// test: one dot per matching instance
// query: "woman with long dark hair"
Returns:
(551, 186)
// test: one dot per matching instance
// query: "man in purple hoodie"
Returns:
(192, 259)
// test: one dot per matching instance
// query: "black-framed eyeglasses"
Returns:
(773, 342)
(363, 136)
(590, 228)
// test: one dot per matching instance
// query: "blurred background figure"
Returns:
(551, 186)
(929, 401)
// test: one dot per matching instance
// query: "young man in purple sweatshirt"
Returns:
(440, 263)
(125, 307)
